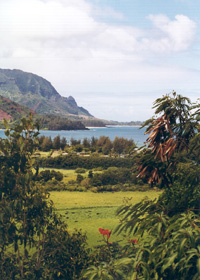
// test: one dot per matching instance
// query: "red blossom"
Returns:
(105, 232)
(135, 241)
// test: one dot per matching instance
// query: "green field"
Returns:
(89, 211)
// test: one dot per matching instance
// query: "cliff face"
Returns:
(38, 94)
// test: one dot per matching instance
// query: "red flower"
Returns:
(101, 230)
(135, 241)
(104, 232)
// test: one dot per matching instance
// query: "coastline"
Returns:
(115, 125)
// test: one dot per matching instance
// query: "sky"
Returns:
(115, 57)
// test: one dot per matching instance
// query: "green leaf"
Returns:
(169, 262)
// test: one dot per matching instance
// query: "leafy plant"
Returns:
(33, 239)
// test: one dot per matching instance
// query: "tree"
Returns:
(47, 144)
(90, 174)
(79, 178)
(86, 143)
(56, 142)
(170, 134)
(63, 143)
(172, 161)
(28, 223)
(74, 142)
(94, 142)
(107, 146)
(122, 145)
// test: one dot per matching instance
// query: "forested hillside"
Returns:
(37, 94)
(13, 113)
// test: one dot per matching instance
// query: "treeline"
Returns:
(111, 179)
(52, 122)
(72, 161)
(103, 145)
(46, 143)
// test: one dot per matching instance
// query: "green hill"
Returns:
(38, 94)
(13, 113)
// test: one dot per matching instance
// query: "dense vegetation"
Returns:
(164, 234)
(14, 112)
(168, 229)
(52, 122)
(102, 145)
(116, 160)
(34, 242)
(74, 161)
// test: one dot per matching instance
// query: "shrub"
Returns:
(80, 170)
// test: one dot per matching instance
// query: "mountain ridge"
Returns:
(14, 112)
(38, 94)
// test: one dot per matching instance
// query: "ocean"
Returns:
(128, 132)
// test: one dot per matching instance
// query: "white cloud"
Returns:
(64, 41)
(177, 35)
(69, 26)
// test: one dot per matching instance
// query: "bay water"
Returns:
(129, 132)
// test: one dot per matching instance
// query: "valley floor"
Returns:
(90, 211)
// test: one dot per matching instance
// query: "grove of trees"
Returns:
(102, 145)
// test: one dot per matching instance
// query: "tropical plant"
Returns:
(167, 230)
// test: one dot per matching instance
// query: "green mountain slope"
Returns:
(13, 113)
(38, 94)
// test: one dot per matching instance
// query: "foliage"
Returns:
(72, 161)
(112, 176)
(47, 175)
(46, 144)
(170, 134)
(52, 122)
(123, 145)
(168, 247)
(102, 145)
(80, 170)
(168, 229)
(79, 178)
(28, 223)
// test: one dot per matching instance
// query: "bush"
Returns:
(48, 175)
(79, 178)
(80, 170)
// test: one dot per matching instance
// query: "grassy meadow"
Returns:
(89, 211)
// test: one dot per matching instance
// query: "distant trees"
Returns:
(56, 142)
(102, 145)
(46, 144)
(63, 143)
(112, 176)
(73, 161)
(123, 145)
(52, 122)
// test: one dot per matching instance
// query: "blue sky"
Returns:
(115, 57)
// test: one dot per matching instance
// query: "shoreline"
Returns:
(118, 125)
